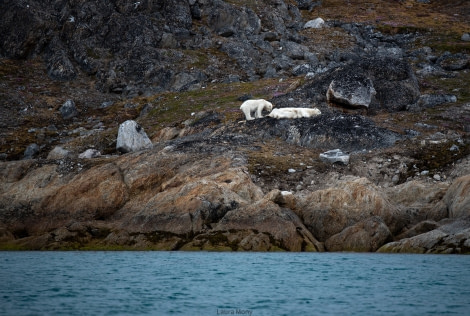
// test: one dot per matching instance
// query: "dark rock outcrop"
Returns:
(392, 79)
(329, 131)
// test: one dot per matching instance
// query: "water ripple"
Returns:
(206, 283)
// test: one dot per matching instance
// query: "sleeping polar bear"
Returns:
(256, 106)
(293, 113)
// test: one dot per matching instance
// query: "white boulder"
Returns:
(132, 137)
(89, 153)
(314, 24)
(335, 155)
(58, 153)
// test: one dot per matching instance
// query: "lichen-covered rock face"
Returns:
(352, 91)
(457, 198)
(284, 227)
(328, 212)
(366, 236)
(450, 237)
(142, 195)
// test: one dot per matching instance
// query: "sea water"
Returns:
(226, 283)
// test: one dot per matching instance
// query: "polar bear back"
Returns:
(293, 113)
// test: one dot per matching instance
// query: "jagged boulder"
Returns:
(31, 151)
(352, 90)
(58, 153)
(392, 79)
(90, 153)
(131, 137)
(334, 156)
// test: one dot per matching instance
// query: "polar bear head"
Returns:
(268, 106)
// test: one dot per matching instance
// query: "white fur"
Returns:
(293, 113)
(255, 106)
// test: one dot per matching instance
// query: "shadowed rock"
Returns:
(328, 212)
(451, 237)
(366, 236)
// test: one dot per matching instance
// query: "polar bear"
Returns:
(293, 113)
(255, 106)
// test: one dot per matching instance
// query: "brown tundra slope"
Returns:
(391, 79)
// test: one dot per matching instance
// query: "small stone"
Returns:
(68, 110)
(465, 37)
(106, 104)
(31, 151)
(58, 153)
(437, 177)
(424, 172)
(432, 100)
(454, 148)
(335, 155)
(291, 170)
(314, 24)
(89, 153)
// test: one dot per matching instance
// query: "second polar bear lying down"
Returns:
(293, 113)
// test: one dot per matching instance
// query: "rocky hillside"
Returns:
(187, 172)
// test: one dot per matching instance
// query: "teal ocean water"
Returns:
(215, 283)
